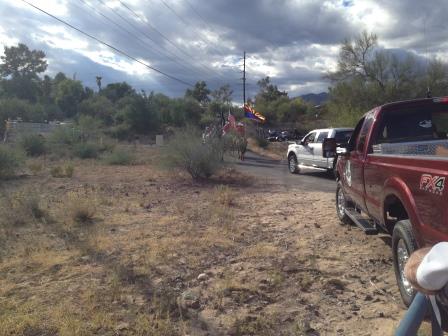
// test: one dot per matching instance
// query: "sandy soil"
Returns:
(168, 256)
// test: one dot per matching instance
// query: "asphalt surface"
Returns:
(276, 172)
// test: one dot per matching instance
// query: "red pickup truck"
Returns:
(391, 177)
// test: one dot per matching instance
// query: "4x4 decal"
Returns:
(432, 184)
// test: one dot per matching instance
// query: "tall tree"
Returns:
(20, 68)
(115, 91)
(268, 91)
(223, 95)
(357, 58)
(68, 95)
(22, 62)
(200, 92)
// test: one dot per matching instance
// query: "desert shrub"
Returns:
(188, 152)
(121, 131)
(69, 170)
(62, 171)
(224, 196)
(87, 150)
(65, 135)
(61, 141)
(82, 208)
(106, 145)
(35, 167)
(11, 160)
(34, 144)
(261, 141)
(120, 157)
(21, 208)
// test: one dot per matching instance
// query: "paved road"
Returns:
(277, 172)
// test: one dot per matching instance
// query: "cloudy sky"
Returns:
(293, 41)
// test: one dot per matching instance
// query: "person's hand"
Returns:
(410, 269)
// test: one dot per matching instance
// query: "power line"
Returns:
(188, 24)
(196, 12)
(110, 46)
(146, 35)
(131, 34)
(154, 28)
(202, 19)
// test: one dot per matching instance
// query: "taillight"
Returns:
(440, 100)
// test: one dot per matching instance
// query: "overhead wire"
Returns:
(204, 22)
(193, 29)
(134, 36)
(185, 22)
(188, 24)
(124, 53)
(136, 28)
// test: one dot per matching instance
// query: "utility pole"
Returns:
(98, 82)
(244, 79)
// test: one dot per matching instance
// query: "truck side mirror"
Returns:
(329, 148)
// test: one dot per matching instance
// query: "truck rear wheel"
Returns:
(342, 204)
(293, 164)
(403, 244)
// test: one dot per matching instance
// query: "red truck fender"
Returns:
(395, 188)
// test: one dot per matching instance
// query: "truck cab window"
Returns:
(352, 143)
(368, 121)
(414, 124)
(343, 137)
(309, 138)
(322, 136)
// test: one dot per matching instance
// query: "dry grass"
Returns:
(261, 250)
(142, 238)
(21, 208)
(82, 207)
(224, 196)
(35, 166)
(63, 171)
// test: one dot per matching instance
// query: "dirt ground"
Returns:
(167, 256)
(274, 150)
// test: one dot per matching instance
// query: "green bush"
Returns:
(65, 135)
(10, 161)
(34, 144)
(262, 141)
(87, 150)
(187, 151)
(120, 157)
(120, 132)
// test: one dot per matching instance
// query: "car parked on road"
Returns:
(280, 136)
(308, 152)
(272, 135)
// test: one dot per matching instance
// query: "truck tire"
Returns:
(293, 164)
(342, 204)
(403, 244)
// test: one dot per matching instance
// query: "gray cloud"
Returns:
(295, 39)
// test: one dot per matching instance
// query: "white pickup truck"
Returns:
(308, 152)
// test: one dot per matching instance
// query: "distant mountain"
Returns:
(315, 98)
